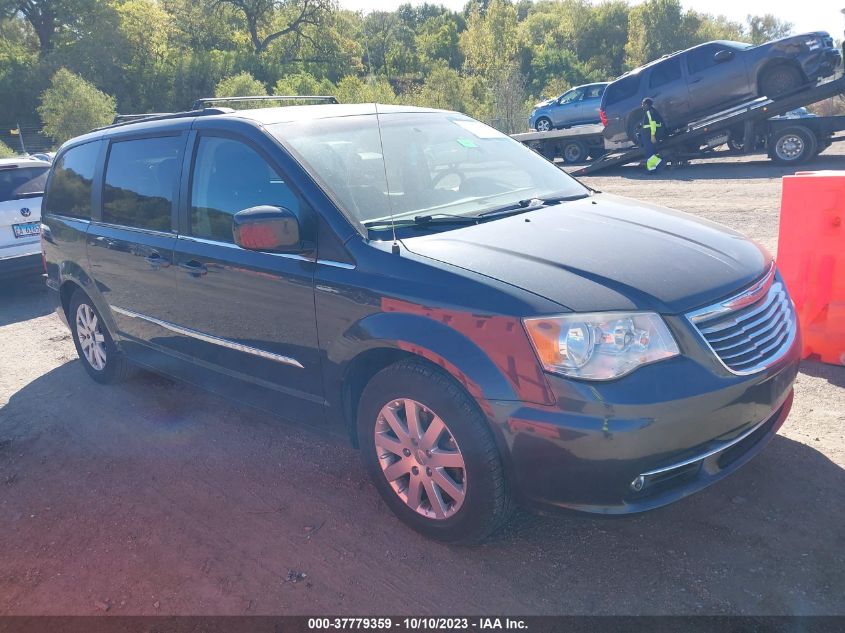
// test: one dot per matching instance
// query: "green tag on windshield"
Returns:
(467, 142)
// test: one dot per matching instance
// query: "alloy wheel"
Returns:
(544, 125)
(91, 337)
(420, 458)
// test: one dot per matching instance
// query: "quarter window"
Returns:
(665, 72)
(70, 185)
(622, 89)
(228, 177)
(140, 183)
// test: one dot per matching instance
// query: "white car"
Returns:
(22, 183)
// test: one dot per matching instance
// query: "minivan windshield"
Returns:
(22, 182)
(425, 164)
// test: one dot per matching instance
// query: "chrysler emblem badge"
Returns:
(25, 212)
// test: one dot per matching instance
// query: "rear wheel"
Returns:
(793, 145)
(95, 346)
(544, 124)
(431, 454)
(574, 152)
(634, 127)
(780, 80)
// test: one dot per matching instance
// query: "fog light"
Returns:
(638, 483)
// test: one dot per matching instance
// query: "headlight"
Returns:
(600, 346)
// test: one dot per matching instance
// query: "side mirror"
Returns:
(723, 55)
(269, 228)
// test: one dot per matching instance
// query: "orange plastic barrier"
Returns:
(811, 258)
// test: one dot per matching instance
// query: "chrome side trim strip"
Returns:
(704, 456)
(208, 338)
(295, 256)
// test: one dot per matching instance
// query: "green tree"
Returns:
(72, 106)
(6, 151)
(490, 42)
(240, 85)
(303, 83)
(762, 28)
(353, 89)
(655, 28)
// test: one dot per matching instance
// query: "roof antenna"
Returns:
(395, 247)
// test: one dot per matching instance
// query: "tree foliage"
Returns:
(492, 59)
(72, 106)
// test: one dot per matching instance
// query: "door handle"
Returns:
(194, 268)
(695, 81)
(156, 261)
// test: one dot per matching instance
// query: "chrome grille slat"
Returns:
(739, 320)
(749, 338)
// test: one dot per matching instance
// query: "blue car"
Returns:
(574, 107)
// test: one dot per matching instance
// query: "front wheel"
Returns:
(100, 357)
(543, 124)
(780, 80)
(793, 145)
(431, 454)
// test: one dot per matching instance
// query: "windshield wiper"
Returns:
(530, 204)
(425, 220)
(28, 194)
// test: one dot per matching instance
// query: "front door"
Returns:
(715, 85)
(569, 108)
(245, 314)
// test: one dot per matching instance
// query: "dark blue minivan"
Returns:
(485, 328)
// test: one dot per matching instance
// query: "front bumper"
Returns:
(681, 425)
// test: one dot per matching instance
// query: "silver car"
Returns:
(574, 107)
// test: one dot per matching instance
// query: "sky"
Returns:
(805, 15)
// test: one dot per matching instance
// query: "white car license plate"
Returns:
(27, 229)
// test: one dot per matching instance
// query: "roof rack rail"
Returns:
(200, 104)
(128, 119)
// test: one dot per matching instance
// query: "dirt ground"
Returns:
(153, 497)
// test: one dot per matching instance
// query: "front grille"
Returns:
(752, 330)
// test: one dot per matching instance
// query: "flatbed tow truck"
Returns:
(748, 128)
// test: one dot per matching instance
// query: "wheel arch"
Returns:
(385, 338)
(769, 64)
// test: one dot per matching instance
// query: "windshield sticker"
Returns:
(467, 142)
(479, 130)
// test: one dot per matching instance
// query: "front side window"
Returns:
(140, 182)
(422, 163)
(70, 186)
(17, 183)
(665, 72)
(700, 59)
(571, 96)
(228, 177)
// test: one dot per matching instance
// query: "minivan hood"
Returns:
(605, 253)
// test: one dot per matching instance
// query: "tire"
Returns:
(779, 80)
(95, 346)
(574, 152)
(633, 128)
(543, 124)
(464, 438)
(793, 145)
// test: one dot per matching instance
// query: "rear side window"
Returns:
(70, 186)
(228, 177)
(594, 92)
(17, 183)
(140, 182)
(622, 89)
(665, 72)
(701, 59)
